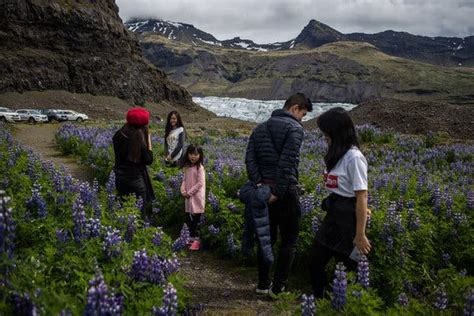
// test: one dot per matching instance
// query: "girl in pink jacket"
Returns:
(193, 189)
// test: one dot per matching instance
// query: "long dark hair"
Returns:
(193, 149)
(137, 135)
(337, 124)
(179, 122)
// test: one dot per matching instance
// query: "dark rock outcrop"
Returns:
(78, 46)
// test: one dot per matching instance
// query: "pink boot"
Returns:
(195, 245)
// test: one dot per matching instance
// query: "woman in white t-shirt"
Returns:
(345, 178)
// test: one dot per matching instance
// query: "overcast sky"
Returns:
(267, 21)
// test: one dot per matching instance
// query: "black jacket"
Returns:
(256, 220)
(131, 177)
(273, 151)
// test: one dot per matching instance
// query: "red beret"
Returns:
(138, 116)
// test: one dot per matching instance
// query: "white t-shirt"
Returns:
(349, 174)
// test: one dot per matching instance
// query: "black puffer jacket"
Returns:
(275, 161)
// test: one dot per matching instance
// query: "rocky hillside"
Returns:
(79, 46)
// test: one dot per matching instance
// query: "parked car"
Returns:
(69, 115)
(7, 115)
(51, 114)
(32, 116)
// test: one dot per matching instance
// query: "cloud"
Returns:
(266, 21)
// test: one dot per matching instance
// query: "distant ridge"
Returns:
(445, 51)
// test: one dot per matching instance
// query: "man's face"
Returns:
(298, 112)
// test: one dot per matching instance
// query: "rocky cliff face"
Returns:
(79, 46)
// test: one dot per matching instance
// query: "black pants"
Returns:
(192, 220)
(284, 215)
(320, 256)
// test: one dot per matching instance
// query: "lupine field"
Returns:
(71, 248)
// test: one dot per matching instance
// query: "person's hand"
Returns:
(272, 199)
(168, 158)
(149, 142)
(369, 212)
(362, 243)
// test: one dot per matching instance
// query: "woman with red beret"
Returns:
(133, 152)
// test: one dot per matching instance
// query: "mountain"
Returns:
(78, 46)
(337, 70)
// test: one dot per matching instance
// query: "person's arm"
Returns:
(146, 157)
(166, 149)
(183, 186)
(289, 159)
(360, 239)
(251, 165)
(179, 146)
(201, 181)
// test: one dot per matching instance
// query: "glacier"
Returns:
(257, 110)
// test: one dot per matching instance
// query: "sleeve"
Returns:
(183, 183)
(357, 171)
(201, 181)
(146, 156)
(179, 146)
(251, 161)
(289, 159)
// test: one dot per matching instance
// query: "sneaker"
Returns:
(195, 245)
(274, 291)
(263, 290)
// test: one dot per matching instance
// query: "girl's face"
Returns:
(193, 157)
(173, 120)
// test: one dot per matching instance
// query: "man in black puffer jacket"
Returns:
(272, 158)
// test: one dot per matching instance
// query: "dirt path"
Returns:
(40, 137)
(221, 286)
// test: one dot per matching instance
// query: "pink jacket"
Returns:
(194, 183)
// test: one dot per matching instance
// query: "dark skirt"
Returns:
(338, 229)
(134, 181)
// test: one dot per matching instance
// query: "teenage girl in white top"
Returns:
(346, 206)
(174, 138)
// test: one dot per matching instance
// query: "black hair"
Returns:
(137, 135)
(300, 99)
(337, 124)
(193, 149)
(168, 127)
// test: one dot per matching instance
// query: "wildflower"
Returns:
(339, 287)
(308, 308)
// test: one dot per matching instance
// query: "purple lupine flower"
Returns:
(470, 200)
(131, 228)
(36, 202)
(23, 305)
(469, 304)
(446, 257)
(139, 203)
(79, 219)
(213, 201)
(171, 265)
(308, 308)
(339, 287)
(459, 219)
(363, 272)
(436, 200)
(112, 243)
(62, 236)
(403, 299)
(307, 204)
(99, 301)
(169, 192)
(315, 222)
(93, 227)
(65, 312)
(419, 185)
(155, 271)
(213, 230)
(160, 176)
(412, 219)
(182, 240)
(139, 268)
(170, 302)
(110, 185)
(157, 237)
(232, 208)
(231, 246)
(7, 228)
(441, 299)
